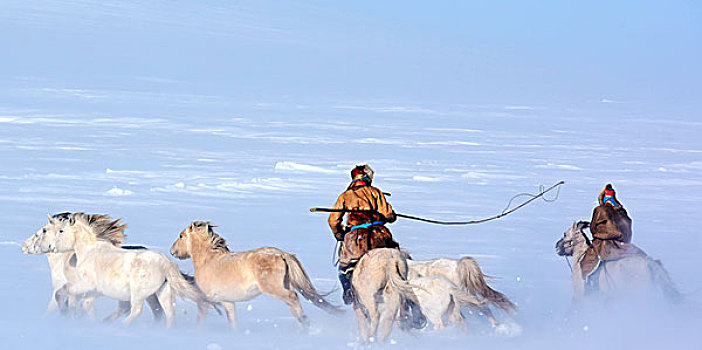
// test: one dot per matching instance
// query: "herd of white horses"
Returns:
(87, 260)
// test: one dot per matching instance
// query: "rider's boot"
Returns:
(345, 279)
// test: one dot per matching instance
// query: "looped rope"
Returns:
(504, 212)
(471, 222)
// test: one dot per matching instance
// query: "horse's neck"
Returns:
(579, 248)
(86, 244)
(57, 261)
(202, 253)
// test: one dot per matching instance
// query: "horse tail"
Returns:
(396, 274)
(661, 277)
(300, 281)
(180, 285)
(473, 281)
(464, 298)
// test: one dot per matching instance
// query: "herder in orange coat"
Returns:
(363, 231)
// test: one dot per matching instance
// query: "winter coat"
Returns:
(611, 232)
(358, 241)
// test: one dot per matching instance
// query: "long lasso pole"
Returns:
(439, 222)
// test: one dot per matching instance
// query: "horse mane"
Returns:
(61, 216)
(582, 224)
(103, 227)
(216, 241)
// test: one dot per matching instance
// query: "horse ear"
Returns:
(575, 224)
(51, 219)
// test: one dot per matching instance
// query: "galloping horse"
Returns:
(464, 273)
(439, 297)
(63, 272)
(123, 274)
(380, 288)
(59, 263)
(229, 277)
(638, 272)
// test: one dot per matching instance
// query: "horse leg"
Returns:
(73, 301)
(122, 308)
(230, 309)
(61, 298)
(202, 309)
(436, 317)
(373, 317)
(455, 316)
(165, 298)
(137, 305)
(387, 317)
(362, 322)
(368, 300)
(88, 305)
(293, 303)
(155, 306)
(491, 318)
(578, 283)
(53, 304)
(433, 303)
(290, 298)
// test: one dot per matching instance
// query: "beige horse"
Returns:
(126, 275)
(380, 288)
(637, 273)
(438, 297)
(229, 277)
(465, 273)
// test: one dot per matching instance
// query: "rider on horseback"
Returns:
(611, 233)
(363, 230)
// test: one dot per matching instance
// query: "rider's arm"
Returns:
(596, 221)
(384, 208)
(336, 219)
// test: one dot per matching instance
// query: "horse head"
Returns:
(571, 237)
(82, 227)
(40, 241)
(181, 247)
(198, 234)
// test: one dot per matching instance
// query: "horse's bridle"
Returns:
(582, 232)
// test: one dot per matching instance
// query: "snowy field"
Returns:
(248, 114)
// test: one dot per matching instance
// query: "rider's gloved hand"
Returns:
(391, 218)
(339, 232)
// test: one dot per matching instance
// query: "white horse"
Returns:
(126, 275)
(465, 273)
(63, 273)
(438, 297)
(632, 273)
(58, 262)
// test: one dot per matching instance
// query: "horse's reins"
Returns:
(505, 212)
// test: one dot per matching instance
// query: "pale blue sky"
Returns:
(521, 52)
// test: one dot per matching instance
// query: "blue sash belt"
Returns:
(611, 200)
(368, 224)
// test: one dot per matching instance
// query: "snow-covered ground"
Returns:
(120, 108)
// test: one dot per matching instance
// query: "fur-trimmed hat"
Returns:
(361, 171)
(606, 193)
